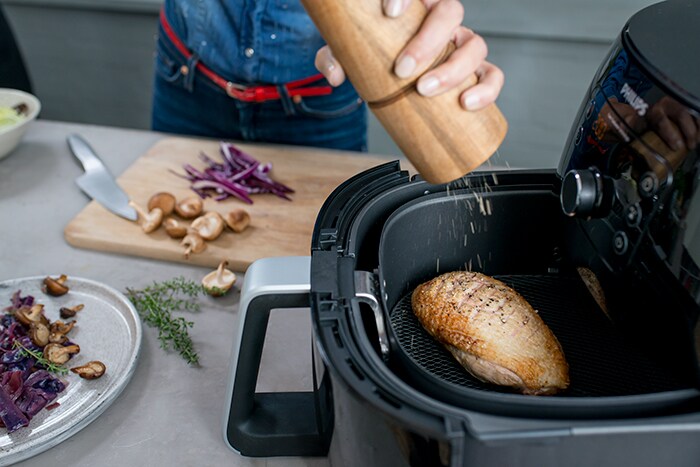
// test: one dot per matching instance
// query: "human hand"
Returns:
(674, 124)
(442, 25)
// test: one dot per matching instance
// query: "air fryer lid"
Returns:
(665, 38)
(514, 234)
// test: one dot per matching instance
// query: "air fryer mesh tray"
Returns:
(601, 361)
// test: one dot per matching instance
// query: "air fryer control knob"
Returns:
(586, 193)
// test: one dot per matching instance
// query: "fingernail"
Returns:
(678, 144)
(335, 79)
(405, 66)
(428, 85)
(471, 102)
(331, 72)
(392, 8)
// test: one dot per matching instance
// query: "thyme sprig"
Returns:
(156, 304)
(40, 359)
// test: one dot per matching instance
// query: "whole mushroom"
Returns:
(220, 281)
(59, 354)
(193, 243)
(55, 287)
(163, 201)
(208, 226)
(39, 334)
(238, 220)
(70, 312)
(58, 330)
(189, 208)
(30, 315)
(91, 370)
(150, 220)
(173, 228)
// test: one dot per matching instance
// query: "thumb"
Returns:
(330, 68)
(394, 8)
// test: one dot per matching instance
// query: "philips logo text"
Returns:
(633, 99)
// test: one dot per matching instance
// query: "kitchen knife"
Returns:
(97, 182)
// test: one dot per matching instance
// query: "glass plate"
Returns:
(108, 329)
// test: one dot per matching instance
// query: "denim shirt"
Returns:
(248, 41)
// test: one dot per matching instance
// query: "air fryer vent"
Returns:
(601, 361)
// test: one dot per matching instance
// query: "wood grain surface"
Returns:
(441, 139)
(278, 227)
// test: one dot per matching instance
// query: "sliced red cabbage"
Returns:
(25, 388)
(238, 176)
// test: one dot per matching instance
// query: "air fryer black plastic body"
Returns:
(385, 416)
(630, 169)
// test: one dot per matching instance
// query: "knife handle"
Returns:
(84, 153)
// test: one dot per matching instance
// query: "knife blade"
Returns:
(97, 182)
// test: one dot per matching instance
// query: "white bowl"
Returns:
(11, 135)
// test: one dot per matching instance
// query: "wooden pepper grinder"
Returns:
(441, 139)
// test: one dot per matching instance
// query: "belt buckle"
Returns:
(235, 90)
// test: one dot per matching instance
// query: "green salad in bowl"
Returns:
(17, 110)
(15, 114)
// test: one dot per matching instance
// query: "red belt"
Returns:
(248, 93)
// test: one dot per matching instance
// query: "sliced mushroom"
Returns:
(173, 228)
(30, 315)
(57, 338)
(91, 370)
(238, 220)
(219, 282)
(59, 354)
(59, 330)
(60, 327)
(193, 243)
(70, 312)
(150, 220)
(189, 208)
(55, 287)
(39, 334)
(163, 201)
(208, 226)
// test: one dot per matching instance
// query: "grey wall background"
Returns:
(91, 62)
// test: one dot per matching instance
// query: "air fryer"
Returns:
(621, 208)
(630, 170)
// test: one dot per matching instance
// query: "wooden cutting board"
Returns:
(278, 227)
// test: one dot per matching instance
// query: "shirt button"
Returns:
(249, 52)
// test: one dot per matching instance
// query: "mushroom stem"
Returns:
(220, 271)
(150, 221)
(143, 214)
(193, 243)
(219, 281)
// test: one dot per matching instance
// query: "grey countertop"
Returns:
(169, 413)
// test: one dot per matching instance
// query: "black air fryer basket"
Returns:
(509, 225)
(506, 226)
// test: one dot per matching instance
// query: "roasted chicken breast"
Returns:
(492, 331)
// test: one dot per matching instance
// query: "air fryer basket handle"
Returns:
(280, 423)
